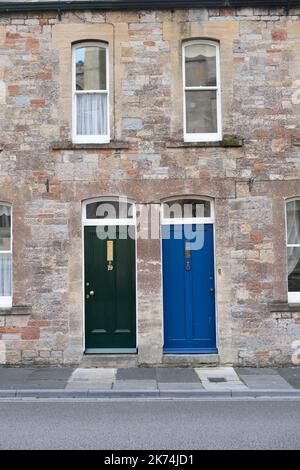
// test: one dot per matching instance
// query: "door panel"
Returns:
(188, 283)
(110, 313)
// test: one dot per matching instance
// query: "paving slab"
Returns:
(291, 375)
(135, 385)
(266, 382)
(15, 371)
(52, 373)
(93, 375)
(176, 375)
(220, 378)
(136, 373)
(13, 377)
(255, 371)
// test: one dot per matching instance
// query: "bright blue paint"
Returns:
(189, 302)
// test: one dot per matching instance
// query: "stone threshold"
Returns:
(17, 310)
(109, 360)
(70, 146)
(190, 359)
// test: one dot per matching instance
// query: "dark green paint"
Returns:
(110, 315)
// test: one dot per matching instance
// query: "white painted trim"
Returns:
(110, 351)
(111, 222)
(6, 301)
(104, 222)
(293, 297)
(203, 137)
(188, 220)
(89, 139)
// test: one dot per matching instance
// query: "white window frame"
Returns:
(187, 220)
(109, 221)
(293, 297)
(211, 136)
(88, 139)
(6, 301)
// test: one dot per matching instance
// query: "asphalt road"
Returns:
(146, 424)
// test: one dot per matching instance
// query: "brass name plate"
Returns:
(110, 250)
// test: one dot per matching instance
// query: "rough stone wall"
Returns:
(46, 179)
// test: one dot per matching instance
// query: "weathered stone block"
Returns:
(132, 124)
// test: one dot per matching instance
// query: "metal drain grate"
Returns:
(217, 379)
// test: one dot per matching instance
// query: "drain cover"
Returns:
(217, 379)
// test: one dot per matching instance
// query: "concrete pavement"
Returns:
(153, 382)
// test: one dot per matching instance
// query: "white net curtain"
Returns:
(92, 114)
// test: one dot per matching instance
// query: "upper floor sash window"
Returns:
(201, 89)
(5, 255)
(90, 93)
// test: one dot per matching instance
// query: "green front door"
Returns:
(110, 313)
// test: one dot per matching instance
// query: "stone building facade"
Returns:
(248, 174)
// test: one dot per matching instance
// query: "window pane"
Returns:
(5, 274)
(5, 228)
(91, 114)
(293, 222)
(90, 68)
(109, 210)
(186, 208)
(200, 65)
(201, 112)
(294, 269)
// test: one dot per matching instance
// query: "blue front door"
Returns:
(189, 289)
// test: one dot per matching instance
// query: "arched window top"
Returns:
(200, 63)
(109, 209)
(5, 227)
(188, 209)
(293, 221)
(90, 65)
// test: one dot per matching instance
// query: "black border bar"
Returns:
(7, 7)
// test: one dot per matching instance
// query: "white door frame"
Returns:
(190, 221)
(108, 222)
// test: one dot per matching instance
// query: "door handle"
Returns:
(91, 293)
(212, 290)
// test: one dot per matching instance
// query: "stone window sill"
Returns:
(70, 146)
(227, 141)
(284, 307)
(296, 143)
(17, 310)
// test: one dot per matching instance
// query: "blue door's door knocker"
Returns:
(187, 253)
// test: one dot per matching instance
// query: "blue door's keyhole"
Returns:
(187, 266)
